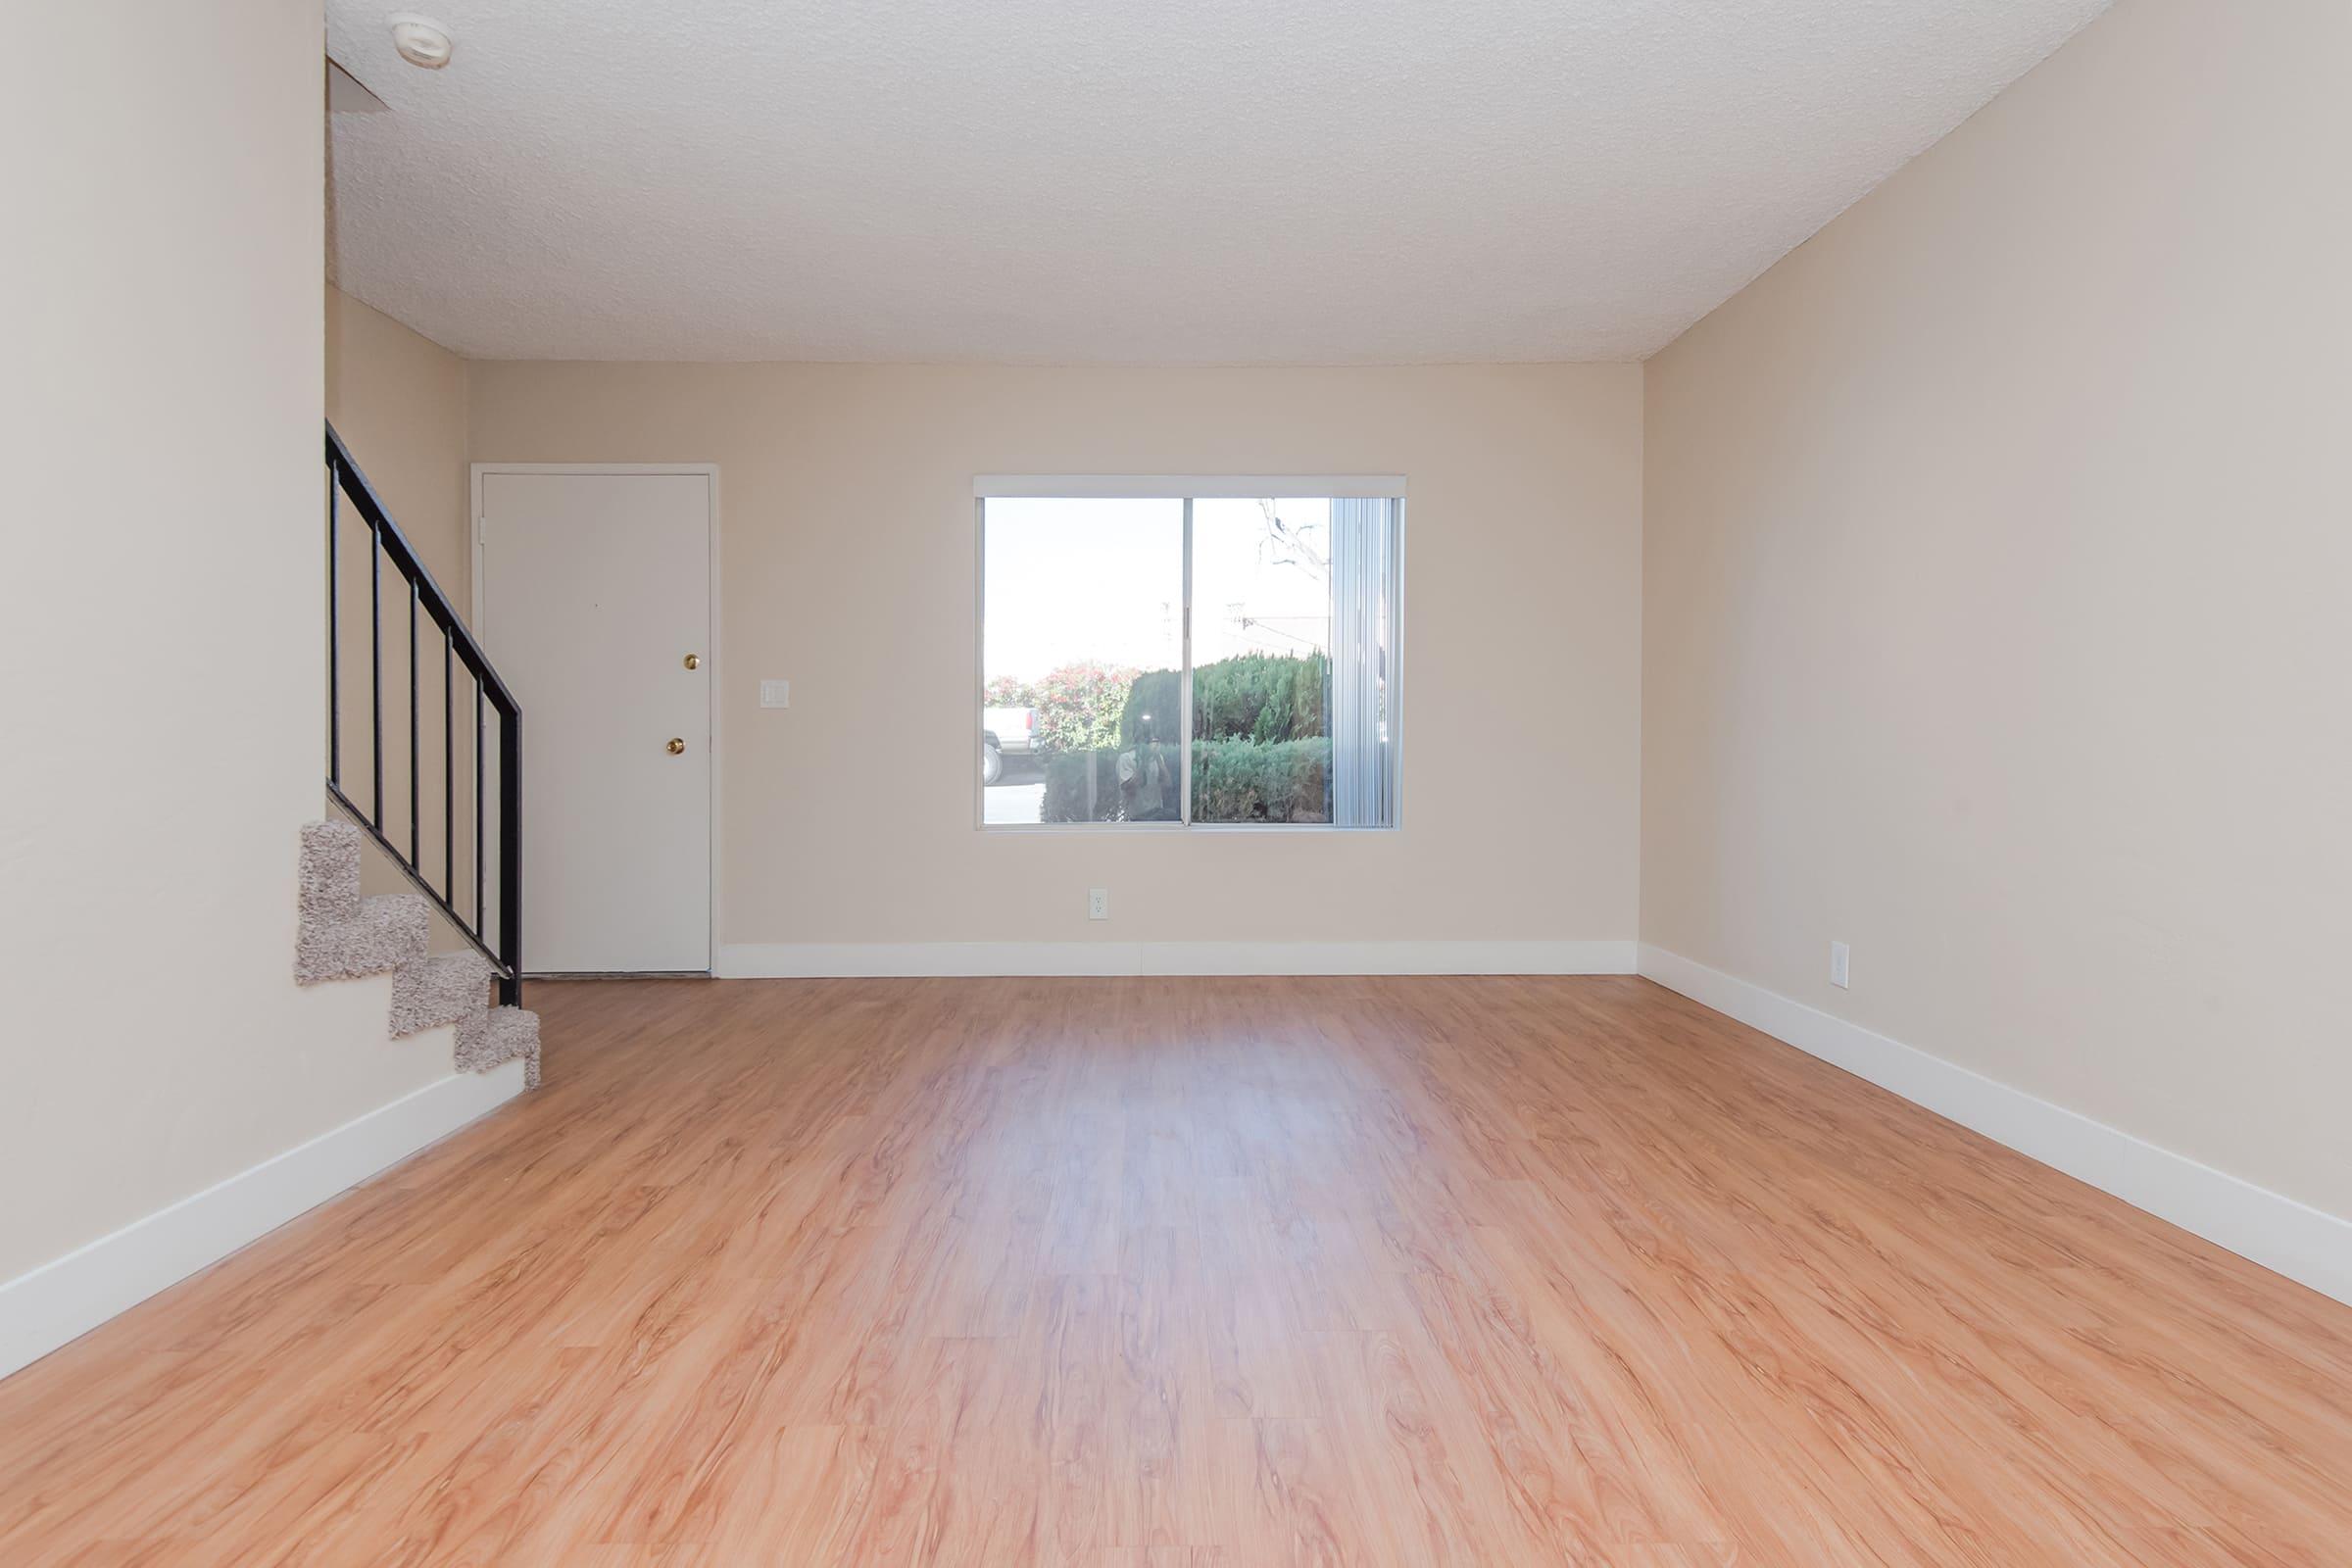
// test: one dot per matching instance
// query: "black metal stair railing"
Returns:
(499, 940)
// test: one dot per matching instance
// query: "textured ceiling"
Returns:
(1217, 181)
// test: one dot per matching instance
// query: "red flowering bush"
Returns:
(1078, 707)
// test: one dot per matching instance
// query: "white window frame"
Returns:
(1187, 488)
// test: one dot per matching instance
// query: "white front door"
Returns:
(594, 593)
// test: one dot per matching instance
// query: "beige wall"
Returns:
(1997, 547)
(161, 619)
(398, 400)
(848, 535)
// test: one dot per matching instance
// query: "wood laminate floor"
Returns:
(1196, 1274)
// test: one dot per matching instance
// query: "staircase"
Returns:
(344, 936)
(344, 933)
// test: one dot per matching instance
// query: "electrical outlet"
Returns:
(1839, 957)
(1098, 904)
(775, 694)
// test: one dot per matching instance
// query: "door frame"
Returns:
(715, 663)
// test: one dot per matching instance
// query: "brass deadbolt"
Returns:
(694, 660)
(675, 746)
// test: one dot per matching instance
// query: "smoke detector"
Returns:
(421, 42)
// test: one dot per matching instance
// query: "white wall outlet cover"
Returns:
(1840, 960)
(1098, 904)
(775, 694)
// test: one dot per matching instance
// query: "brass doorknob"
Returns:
(694, 660)
(675, 746)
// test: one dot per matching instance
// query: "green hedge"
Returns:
(1078, 706)
(1149, 796)
(1261, 753)
(1266, 698)
(1154, 709)
(1252, 781)
(1261, 697)
(1233, 781)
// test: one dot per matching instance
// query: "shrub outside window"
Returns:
(1171, 652)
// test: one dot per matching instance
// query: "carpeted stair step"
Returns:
(389, 932)
(500, 1035)
(344, 936)
(438, 991)
(331, 872)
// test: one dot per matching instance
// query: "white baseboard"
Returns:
(809, 961)
(2290, 1238)
(64, 1300)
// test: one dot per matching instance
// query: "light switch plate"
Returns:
(775, 694)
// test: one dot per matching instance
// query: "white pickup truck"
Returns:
(1004, 732)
